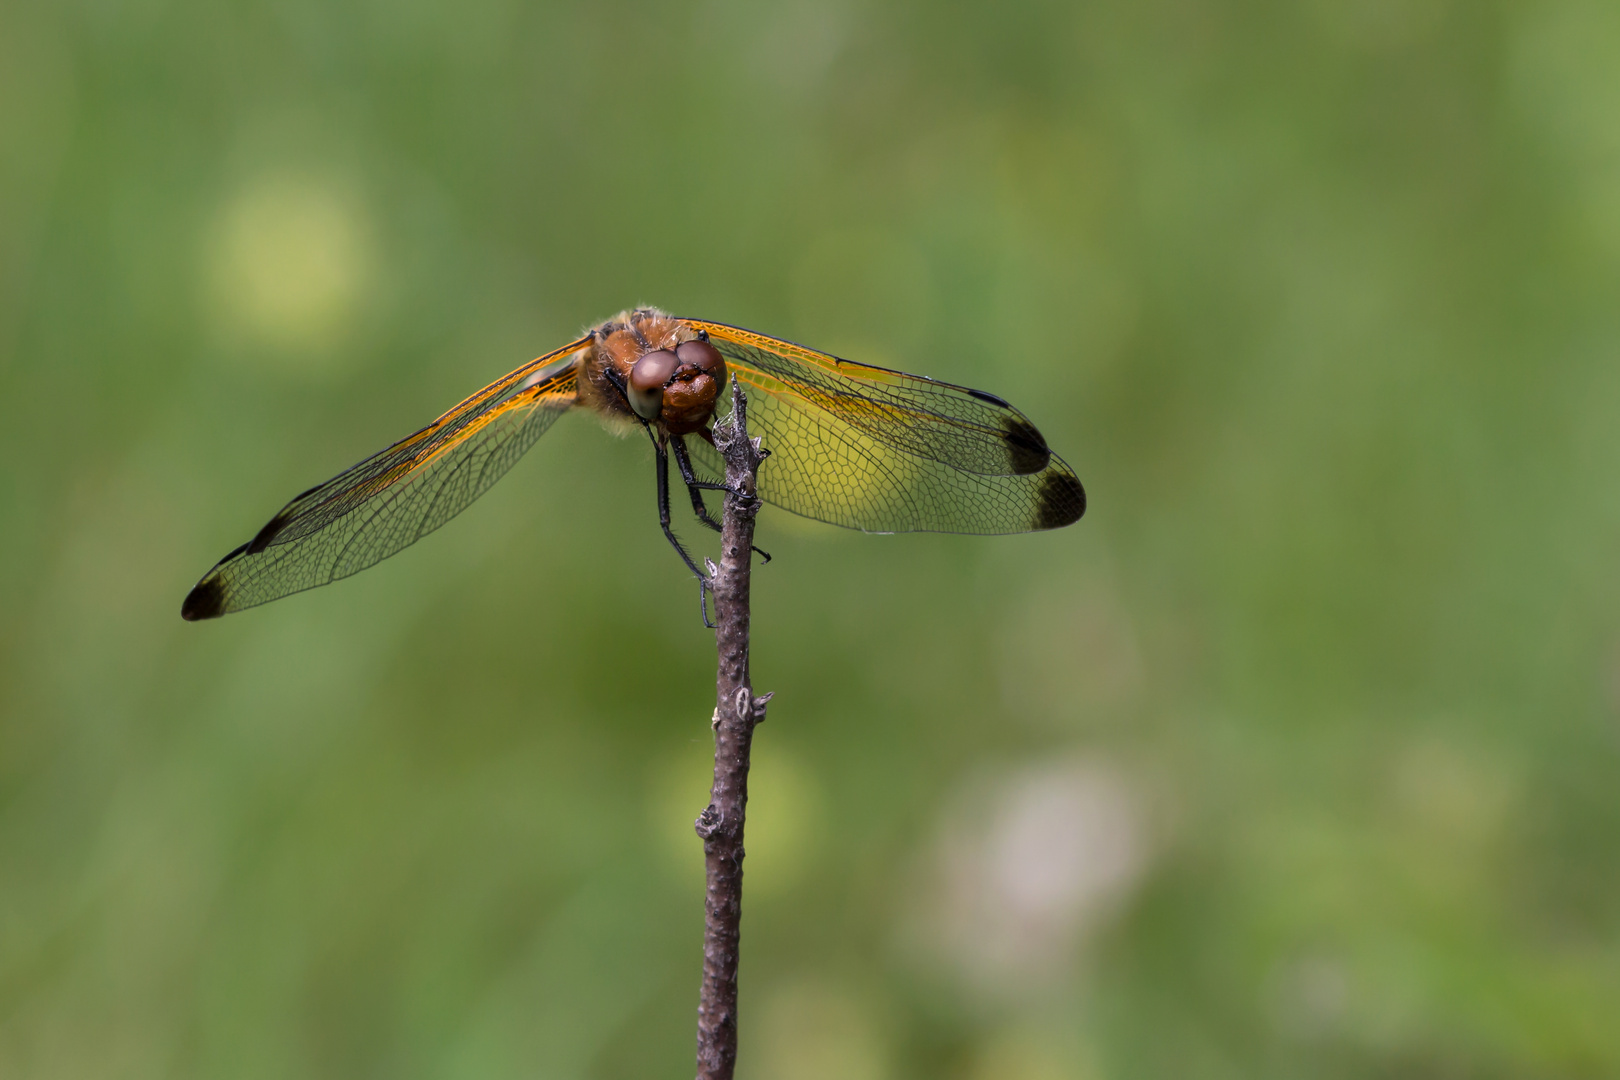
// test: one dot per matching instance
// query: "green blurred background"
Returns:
(1296, 758)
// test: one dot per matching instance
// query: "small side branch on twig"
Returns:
(737, 712)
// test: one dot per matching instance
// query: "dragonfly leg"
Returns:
(685, 462)
(669, 533)
(695, 488)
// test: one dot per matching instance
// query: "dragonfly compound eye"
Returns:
(703, 355)
(646, 385)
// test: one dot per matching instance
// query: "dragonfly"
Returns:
(850, 444)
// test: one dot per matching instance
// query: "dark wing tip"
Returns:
(268, 533)
(1062, 501)
(1026, 448)
(205, 601)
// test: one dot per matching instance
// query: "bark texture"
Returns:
(736, 713)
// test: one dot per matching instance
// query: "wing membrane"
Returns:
(882, 451)
(394, 498)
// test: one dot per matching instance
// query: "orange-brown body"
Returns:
(689, 396)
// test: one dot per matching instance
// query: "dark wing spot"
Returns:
(266, 534)
(1063, 501)
(205, 601)
(1026, 450)
(991, 398)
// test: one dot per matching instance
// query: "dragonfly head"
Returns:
(678, 386)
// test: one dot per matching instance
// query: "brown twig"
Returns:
(736, 713)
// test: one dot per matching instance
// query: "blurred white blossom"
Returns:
(1028, 864)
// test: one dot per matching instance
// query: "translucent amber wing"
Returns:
(394, 498)
(883, 451)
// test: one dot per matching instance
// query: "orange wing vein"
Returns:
(882, 451)
(393, 498)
